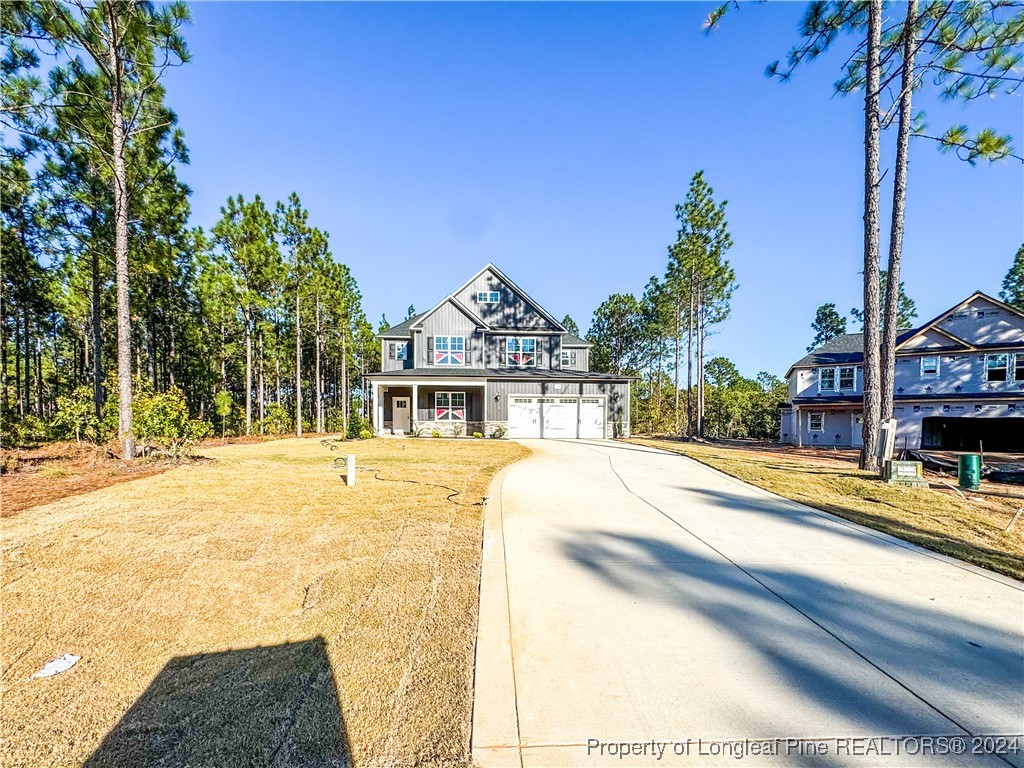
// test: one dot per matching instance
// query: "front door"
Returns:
(856, 430)
(400, 416)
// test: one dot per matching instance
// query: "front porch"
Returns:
(827, 425)
(452, 408)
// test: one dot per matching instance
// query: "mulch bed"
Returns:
(35, 476)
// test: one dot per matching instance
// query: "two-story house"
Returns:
(488, 357)
(959, 384)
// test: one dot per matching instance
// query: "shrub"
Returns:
(365, 434)
(26, 430)
(357, 425)
(477, 435)
(75, 416)
(435, 433)
(457, 430)
(162, 418)
(276, 420)
(499, 432)
(416, 432)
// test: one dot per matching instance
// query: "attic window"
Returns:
(488, 297)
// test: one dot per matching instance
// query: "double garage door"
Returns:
(556, 417)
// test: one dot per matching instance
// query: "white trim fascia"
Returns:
(408, 382)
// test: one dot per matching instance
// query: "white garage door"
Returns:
(556, 417)
(591, 417)
(523, 417)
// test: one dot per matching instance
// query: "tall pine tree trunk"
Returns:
(298, 364)
(318, 389)
(260, 386)
(97, 335)
(872, 314)
(899, 201)
(247, 316)
(120, 188)
(344, 380)
(689, 355)
(678, 335)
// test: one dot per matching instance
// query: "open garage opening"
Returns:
(973, 434)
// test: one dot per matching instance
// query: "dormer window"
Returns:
(930, 365)
(569, 358)
(488, 297)
(521, 352)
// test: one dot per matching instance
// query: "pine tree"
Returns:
(131, 45)
(570, 325)
(615, 333)
(827, 325)
(1013, 284)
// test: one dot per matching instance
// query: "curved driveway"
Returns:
(635, 597)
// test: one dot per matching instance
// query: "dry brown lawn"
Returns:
(971, 529)
(251, 611)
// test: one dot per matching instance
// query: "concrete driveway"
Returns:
(638, 608)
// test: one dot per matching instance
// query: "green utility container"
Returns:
(970, 471)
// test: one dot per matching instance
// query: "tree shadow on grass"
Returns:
(266, 706)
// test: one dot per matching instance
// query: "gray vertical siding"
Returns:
(449, 320)
(513, 311)
(387, 364)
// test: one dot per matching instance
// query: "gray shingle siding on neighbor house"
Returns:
(489, 374)
(959, 382)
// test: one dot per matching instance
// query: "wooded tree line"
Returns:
(104, 282)
(661, 337)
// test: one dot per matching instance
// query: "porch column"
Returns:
(799, 429)
(378, 401)
(415, 405)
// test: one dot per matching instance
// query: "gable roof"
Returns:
(845, 348)
(402, 330)
(933, 323)
(849, 347)
(458, 305)
(511, 284)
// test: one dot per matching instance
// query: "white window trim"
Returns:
(839, 378)
(450, 407)
(401, 350)
(1018, 359)
(810, 416)
(835, 380)
(938, 366)
(520, 340)
(1009, 369)
(489, 297)
(568, 358)
(450, 350)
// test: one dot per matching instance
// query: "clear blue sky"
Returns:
(555, 141)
